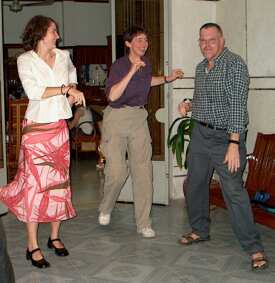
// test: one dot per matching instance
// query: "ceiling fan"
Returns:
(16, 6)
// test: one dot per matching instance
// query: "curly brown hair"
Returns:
(35, 30)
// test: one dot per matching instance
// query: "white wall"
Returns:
(187, 16)
(80, 23)
(261, 63)
(86, 23)
(253, 37)
(261, 37)
(231, 15)
(14, 23)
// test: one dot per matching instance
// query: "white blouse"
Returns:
(35, 75)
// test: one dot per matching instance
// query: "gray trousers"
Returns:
(6, 270)
(206, 152)
(125, 130)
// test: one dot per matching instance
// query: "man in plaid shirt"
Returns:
(219, 110)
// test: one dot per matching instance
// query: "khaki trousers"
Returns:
(125, 130)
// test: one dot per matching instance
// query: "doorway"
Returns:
(150, 15)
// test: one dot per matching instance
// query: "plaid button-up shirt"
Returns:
(220, 96)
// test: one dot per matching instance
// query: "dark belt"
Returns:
(123, 106)
(207, 125)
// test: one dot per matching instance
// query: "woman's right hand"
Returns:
(118, 89)
(78, 96)
(137, 65)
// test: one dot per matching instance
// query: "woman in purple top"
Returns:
(125, 130)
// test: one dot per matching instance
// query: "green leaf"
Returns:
(172, 140)
(174, 144)
(183, 134)
(179, 151)
(171, 128)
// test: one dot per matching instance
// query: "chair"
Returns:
(85, 142)
(261, 177)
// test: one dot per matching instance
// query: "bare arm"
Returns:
(176, 74)
(118, 89)
(232, 156)
(78, 96)
(52, 91)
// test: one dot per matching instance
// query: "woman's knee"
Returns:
(117, 174)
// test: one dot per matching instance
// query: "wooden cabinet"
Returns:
(15, 106)
(13, 87)
(94, 95)
(85, 58)
(17, 109)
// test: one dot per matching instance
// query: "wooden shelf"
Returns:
(94, 95)
(17, 109)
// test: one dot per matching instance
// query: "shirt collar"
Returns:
(221, 56)
(218, 59)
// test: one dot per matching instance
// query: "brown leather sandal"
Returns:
(259, 263)
(189, 240)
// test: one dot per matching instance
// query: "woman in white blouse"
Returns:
(40, 192)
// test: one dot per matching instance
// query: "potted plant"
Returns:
(177, 140)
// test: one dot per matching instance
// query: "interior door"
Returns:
(150, 15)
(3, 171)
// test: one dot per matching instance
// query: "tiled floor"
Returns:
(116, 254)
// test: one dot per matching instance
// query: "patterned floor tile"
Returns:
(117, 254)
(125, 272)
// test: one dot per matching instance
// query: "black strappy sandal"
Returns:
(58, 251)
(256, 263)
(41, 263)
(189, 240)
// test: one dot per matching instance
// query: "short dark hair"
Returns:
(133, 32)
(35, 30)
(212, 25)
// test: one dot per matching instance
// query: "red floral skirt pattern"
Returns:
(40, 191)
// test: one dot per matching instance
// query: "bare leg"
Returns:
(32, 229)
(55, 234)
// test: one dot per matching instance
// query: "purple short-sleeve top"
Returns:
(137, 91)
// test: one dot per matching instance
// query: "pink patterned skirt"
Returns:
(40, 191)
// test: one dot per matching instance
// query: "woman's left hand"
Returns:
(77, 96)
(72, 85)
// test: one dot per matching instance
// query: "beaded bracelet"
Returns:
(67, 92)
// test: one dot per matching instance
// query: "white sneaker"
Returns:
(147, 232)
(104, 219)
